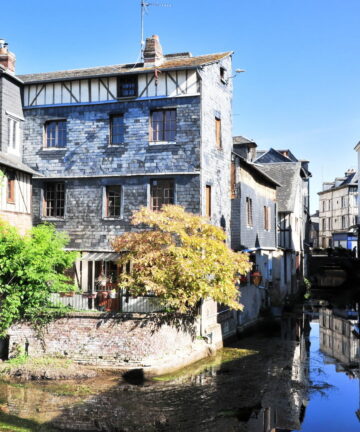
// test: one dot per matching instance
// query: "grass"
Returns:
(16, 424)
(46, 367)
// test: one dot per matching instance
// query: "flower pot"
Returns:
(256, 278)
(103, 295)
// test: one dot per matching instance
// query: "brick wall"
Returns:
(21, 221)
(122, 340)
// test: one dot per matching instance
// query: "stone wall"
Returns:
(123, 340)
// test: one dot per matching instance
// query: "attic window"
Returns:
(127, 86)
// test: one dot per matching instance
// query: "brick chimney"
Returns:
(153, 54)
(7, 58)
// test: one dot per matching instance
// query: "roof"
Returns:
(242, 140)
(258, 169)
(287, 175)
(350, 180)
(13, 162)
(271, 156)
(171, 61)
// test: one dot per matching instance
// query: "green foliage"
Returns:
(31, 268)
(307, 285)
(181, 258)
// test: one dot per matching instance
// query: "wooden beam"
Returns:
(107, 89)
(147, 86)
(71, 93)
(37, 94)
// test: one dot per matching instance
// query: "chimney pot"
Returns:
(7, 58)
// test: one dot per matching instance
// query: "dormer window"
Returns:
(127, 86)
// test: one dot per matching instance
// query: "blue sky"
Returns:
(301, 85)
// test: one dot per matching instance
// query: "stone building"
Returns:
(338, 212)
(108, 140)
(292, 216)
(253, 225)
(15, 177)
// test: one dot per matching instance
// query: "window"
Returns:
(127, 86)
(54, 200)
(163, 125)
(161, 192)
(324, 224)
(55, 134)
(113, 201)
(249, 212)
(267, 218)
(13, 134)
(223, 75)
(116, 129)
(233, 180)
(10, 192)
(218, 133)
(208, 204)
(343, 202)
(343, 222)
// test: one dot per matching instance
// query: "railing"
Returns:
(122, 303)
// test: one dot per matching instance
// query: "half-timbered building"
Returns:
(108, 140)
(15, 177)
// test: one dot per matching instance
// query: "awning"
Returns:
(100, 256)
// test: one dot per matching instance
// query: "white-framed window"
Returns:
(113, 196)
(13, 135)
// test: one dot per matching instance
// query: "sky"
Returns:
(300, 88)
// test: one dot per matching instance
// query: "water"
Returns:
(302, 375)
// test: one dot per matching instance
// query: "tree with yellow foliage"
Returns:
(180, 258)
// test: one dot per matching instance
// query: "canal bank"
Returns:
(282, 378)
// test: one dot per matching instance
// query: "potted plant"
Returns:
(113, 294)
(102, 280)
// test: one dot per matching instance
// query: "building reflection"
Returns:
(338, 336)
(340, 340)
(285, 399)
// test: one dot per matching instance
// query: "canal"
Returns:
(300, 373)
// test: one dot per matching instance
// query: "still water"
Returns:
(301, 374)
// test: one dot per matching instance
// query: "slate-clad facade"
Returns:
(15, 177)
(180, 159)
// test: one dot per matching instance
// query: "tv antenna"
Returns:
(144, 9)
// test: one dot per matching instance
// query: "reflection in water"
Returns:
(266, 383)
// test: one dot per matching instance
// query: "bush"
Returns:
(31, 268)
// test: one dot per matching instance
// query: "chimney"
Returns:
(7, 58)
(153, 54)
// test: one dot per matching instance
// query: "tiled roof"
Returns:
(171, 61)
(13, 162)
(287, 174)
(271, 156)
(242, 140)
